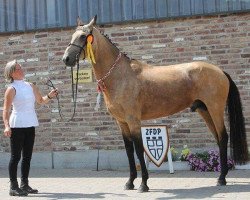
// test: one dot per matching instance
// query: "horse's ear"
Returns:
(79, 22)
(93, 21)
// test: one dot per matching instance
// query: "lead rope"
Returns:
(91, 58)
(74, 95)
(74, 91)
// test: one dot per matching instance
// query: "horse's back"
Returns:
(193, 74)
(205, 79)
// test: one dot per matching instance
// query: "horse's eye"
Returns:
(83, 37)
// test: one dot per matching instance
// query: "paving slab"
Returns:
(68, 184)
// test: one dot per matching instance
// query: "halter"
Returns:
(81, 47)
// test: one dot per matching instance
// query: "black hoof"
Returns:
(143, 188)
(221, 182)
(129, 186)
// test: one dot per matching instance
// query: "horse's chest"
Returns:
(116, 112)
(115, 109)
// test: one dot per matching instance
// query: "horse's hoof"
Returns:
(143, 188)
(221, 182)
(129, 186)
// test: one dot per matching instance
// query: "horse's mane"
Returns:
(107, 37)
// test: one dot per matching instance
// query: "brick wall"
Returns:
(221, 40)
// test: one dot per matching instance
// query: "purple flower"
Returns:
(207, 161)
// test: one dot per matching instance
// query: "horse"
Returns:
(135, 91)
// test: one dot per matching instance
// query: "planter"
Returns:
(246, 166)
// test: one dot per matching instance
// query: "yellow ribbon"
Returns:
(90, 54)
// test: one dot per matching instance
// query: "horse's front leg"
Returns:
(130, 153)
(135, 131)
(134, 125)
(140, 154)
(133, 173)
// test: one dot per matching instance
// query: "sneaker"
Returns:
(28, 189)
(17, 192)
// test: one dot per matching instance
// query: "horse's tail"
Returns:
(238, 141)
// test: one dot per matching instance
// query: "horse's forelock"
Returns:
(84, 29)
(78, 28)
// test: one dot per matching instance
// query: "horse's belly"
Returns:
(163, 110)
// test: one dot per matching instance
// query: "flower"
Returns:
(207, 161)
(184, 153)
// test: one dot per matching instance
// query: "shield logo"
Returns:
(155, 142)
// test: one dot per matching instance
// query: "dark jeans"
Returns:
(21, 142)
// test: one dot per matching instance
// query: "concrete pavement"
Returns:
(68, 184)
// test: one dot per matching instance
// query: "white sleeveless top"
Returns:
(23, 112)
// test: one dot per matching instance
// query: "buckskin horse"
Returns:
(135, 91)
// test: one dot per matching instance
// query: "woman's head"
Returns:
(13, 71)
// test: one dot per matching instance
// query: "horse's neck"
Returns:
(105, 54)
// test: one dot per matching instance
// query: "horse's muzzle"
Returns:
(65, 59)
(69, 62)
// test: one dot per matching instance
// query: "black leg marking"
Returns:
(140, 154)
(133, 173)
(223, 158)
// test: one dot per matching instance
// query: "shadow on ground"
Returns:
(54, 196)
(203, 192)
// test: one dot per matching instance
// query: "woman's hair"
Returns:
(9, 69)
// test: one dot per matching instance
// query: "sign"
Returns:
(84, 76)
(155, 143)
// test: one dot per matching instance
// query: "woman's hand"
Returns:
(53, 93)
(7, 132)
(43, 99)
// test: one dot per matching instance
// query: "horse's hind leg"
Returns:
(217, 115)
(209, 122)
(129, 146)
(214, 118)
(223, 140)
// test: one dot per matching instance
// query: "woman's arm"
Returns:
(8, 99)
(43, 99)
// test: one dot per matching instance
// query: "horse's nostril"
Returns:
(66, 59)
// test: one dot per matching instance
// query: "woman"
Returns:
(20, 124)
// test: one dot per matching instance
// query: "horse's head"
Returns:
(77, 45)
